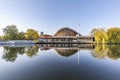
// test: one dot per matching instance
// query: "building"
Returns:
(66, 32)
(45, 38)
(65, 36)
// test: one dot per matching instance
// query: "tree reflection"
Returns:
(11, 53)
(100, 51)
(106, 51)
(114, 51)
(32, 50)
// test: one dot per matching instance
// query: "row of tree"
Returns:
(112, 35)
(11, 33)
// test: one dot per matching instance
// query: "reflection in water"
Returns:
(114, 51)
(50, 66)
(32, 50)
(98, 50)
(107, 51)
(66, 52)
(71, 49)
(12, 51)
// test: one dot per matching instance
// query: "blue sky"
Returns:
(51, 15)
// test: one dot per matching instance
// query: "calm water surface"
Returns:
(60, 62)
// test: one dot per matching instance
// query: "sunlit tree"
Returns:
(100, 35)
(31, 34)
(113, 35)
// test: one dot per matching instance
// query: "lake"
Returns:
(60, 62)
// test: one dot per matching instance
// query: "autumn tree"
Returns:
(113, 35)
(100, 35)
(31, 34)
(1, 37)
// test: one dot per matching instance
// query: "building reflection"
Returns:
(66, 52)
(70, 49)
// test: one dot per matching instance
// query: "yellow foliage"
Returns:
(32, 34)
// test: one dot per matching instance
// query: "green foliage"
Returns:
(21, 36)
(10, 32)
(11, 53)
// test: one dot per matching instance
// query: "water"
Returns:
(60, 62)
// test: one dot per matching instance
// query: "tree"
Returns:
(113, 35)
(21, 36)
(1, 37)
(100, 35)
(31, 34)
(10, 32)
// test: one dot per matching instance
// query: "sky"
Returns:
(51, 15)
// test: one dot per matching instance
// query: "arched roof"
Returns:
(66, 28)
